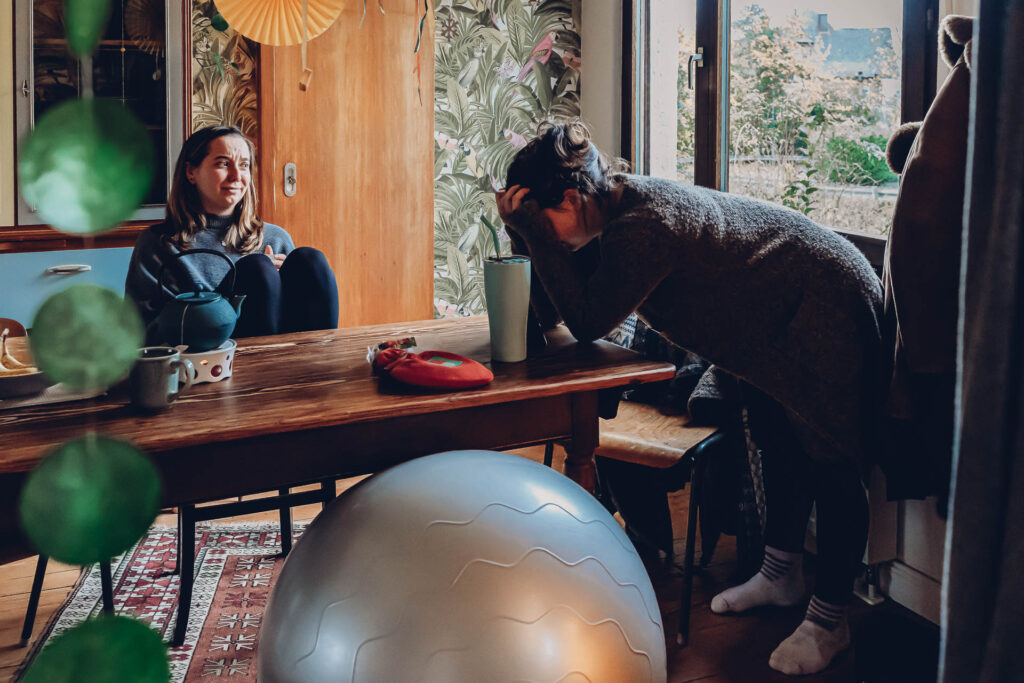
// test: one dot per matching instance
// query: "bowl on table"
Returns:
(20, 386)
(17, 377)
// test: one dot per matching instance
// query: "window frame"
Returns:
(917, 90)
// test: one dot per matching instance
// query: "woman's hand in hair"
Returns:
(276, 259)
(509, 201)
(517, 211)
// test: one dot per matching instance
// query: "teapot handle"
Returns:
(184, 252)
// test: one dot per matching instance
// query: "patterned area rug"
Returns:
(235, 569)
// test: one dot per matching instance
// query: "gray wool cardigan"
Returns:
(755, 288)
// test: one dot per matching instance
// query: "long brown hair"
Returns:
(185, 208)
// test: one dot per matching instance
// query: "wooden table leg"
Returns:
(579, 452)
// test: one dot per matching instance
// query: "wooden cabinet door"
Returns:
(361, 141)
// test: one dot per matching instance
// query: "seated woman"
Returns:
(790, 308)
(213, 206)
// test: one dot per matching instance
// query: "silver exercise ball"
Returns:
(463, 567)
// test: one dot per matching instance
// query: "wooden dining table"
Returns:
(305, 407)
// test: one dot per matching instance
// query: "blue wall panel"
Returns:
(25, 284)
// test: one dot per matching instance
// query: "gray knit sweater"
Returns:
(202, 272)
(757, 289)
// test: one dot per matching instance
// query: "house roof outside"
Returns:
(850, 52)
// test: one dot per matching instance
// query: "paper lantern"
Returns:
(144, 22)
(86, 21)
(86, 336)
(108, 648)
(89, 500)
(279, 22)
(87, 165)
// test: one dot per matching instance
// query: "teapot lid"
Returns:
(198, 297)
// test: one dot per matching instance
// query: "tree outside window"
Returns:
(811, 109)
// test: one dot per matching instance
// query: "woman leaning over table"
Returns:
(213, 205)
(787, 306)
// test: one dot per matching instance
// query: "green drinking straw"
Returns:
(494, 235)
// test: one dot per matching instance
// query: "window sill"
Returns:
(872, 247)
(26, 238)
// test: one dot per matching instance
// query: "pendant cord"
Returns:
(123, 97)
(307, 73)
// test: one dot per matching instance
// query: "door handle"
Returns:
(68, 269)
(698, 57)
(290, 181)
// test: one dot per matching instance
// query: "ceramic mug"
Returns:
(507, 291)
(155, 378)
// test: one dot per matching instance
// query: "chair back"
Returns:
(15, 329)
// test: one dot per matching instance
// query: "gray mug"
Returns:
(507, 291)
(155, 378)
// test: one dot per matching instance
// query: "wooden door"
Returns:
(361, 139)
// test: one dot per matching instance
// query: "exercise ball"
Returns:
(463, 567)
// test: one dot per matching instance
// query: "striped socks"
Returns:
(824, 614)
(822, 635)
(778, 564)
(780, 582)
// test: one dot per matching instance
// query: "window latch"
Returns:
(697, 58)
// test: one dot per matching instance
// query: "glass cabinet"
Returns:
(138, 62)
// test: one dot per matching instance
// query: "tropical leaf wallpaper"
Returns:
(500, 67)
(224, 84)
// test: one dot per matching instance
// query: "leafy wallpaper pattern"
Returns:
(500, 67)
(224, 77)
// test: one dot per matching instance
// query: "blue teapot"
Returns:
(199, 320)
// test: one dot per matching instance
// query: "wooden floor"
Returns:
(891, 645)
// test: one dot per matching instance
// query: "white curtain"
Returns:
(967, 7)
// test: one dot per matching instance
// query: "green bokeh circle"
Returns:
(87, 165)
(85, 20)
(86, 336)
(89, 500)
(107, 649)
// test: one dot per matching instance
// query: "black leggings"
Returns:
(302, 296)
(793, 482)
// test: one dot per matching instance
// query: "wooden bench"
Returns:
(644, 435)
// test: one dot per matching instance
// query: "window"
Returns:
(137, 62)
(813, 98)
(802, 109)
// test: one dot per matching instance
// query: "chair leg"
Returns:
(286, 524)
(108, 588)
(177, 559)
(696, 484)
(549, 452)
(33, 599)
(186, 566)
